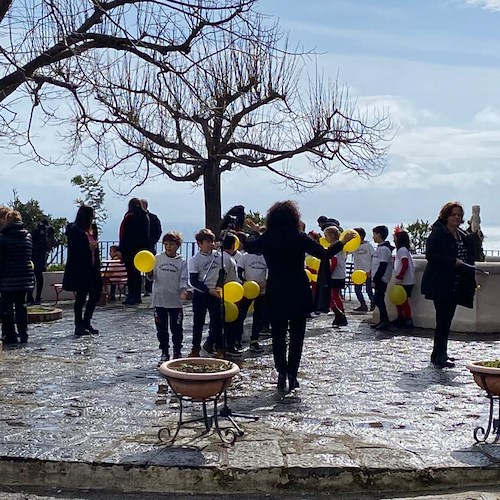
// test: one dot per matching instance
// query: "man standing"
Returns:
(154, 237)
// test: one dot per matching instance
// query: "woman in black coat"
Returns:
(134, 237)
(289, 298)
(16, 277)
(82, 274)
(448, 279)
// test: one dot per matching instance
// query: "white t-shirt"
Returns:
(383, 253)
(362, 257)
(339, 271)
(170, 277)
(409, 276)
(254, 269)
(207, 267)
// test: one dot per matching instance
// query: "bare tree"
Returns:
(49, 47)
(240, 101)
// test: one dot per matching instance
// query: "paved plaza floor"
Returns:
(372, 416)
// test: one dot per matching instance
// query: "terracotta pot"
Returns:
(198, 385)
(485, 377)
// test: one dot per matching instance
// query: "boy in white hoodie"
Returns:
(362, 259)
(170, 282)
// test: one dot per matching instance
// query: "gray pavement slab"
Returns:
(371, 415)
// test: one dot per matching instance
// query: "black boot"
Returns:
(281, 383)
(292, 382)
(342, 321)
(80, 330)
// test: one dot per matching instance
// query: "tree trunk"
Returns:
(212, 191)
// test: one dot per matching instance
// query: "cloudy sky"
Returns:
(433, 64)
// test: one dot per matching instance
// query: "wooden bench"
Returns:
(113, 272)
(58, 288)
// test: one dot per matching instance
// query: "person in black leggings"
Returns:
(82, 274)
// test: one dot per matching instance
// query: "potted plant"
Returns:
(199, 378)
(486, 375)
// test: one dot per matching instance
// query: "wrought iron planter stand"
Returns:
(493, 423)
(227, 435)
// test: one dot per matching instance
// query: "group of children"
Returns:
(210, 268)
(206, 272)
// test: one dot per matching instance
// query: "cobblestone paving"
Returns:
(365, 400)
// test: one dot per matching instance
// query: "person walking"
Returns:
(82, 273)
(16, 276)
(449, 278)
(289, 296)
(134, 237)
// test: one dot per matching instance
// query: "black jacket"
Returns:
(16, 269)
(82, 272)
(154, 231)
(442, 279)
(134, 232)
(288, 292)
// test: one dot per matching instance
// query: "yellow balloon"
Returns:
(250, 309)
(353, 244)
(230, 312)
(397, 295)
(314, 277)
(236, 243)
(358, 277)
(144, 261)
(233, 291)
(251, 289)
(312, 262)
(309, 274)
(324, 242)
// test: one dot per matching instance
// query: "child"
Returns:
(232, 336)
(204, 273)
(337, 277)
(404, 270)
(115, 254)
(170, 281)
(381, 273)
(253, 267)
(362, 258)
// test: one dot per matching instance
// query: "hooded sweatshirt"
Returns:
(382, 263)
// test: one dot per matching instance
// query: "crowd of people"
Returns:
(275, 257)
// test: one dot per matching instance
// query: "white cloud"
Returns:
(488, 116)
(485, 4)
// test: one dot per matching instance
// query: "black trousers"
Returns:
(134, 279)
(379, 301)
(81, 300)
(203, 302)
(445, 310)
(279, 329)
(164, 317)
(17, 300)
(38, 271)
(258, 317)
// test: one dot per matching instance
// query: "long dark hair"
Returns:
(84, 217)
(402, 239)
(283, 216)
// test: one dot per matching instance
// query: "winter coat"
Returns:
(154, 231)
(16, 269)
(81, 272)
(134, 233)
(288, 292)
(442, 279)
(42, 237)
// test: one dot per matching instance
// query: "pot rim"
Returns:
(473, 367)
(167, 371)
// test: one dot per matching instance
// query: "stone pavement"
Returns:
(372, 417)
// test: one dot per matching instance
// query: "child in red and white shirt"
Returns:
(404, 271)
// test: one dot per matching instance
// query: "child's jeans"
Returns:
(203, 302)
(163, 317)
(379, 300)
(358, 290)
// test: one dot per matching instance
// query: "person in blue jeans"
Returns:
(362, 259)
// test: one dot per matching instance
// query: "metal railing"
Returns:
(59, 253)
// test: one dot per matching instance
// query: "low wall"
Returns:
(48, 292)
(483, 318)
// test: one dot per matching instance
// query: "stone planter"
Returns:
(485, 377)
(199, 386)
(37, 314)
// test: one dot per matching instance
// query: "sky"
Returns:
(432, 65)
